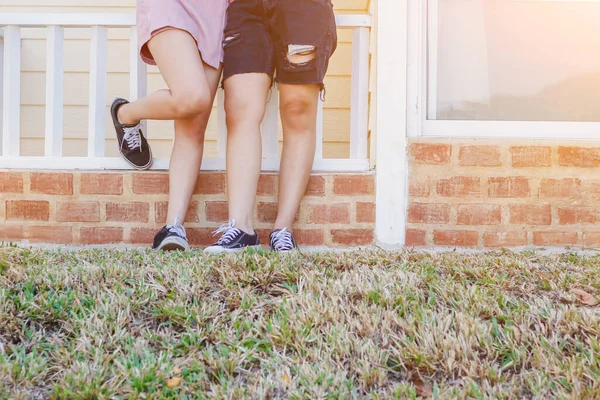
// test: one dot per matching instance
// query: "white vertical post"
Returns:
(138, 70)
(416, 88)
(138, 73)
(319, 148)
(221, 125)
(360, 94)
(97, 101)
(392, 167)
(432, 58)
(54, 91)
(11, 96)
(270, 127)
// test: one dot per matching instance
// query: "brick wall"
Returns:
(502, 193)
(129, 207)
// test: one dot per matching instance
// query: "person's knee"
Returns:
(241, 112)
(191, 103)
(298, 105)
(298, 112)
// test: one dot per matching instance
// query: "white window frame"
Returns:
(422, 46)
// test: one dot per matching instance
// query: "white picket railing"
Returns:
(10, 68)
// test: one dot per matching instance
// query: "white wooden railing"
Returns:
(10, 115)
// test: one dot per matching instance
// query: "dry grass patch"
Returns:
(130, 324)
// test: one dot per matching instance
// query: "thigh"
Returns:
(306, 39)
(247, 44)
(179, 61)
(246, 97)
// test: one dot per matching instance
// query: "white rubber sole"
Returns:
(222, 250)
(137, 167)
(173, 244)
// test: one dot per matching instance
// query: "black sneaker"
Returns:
(171, 237)
(233, 240)
(133, 146)
(282, 241)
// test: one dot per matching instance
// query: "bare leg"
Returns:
(192, 87)
(186, 157)
(180, 64)
(245, 103)
(299, 117)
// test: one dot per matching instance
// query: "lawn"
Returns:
(135, 324)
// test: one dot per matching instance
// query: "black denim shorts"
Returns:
(260, 34)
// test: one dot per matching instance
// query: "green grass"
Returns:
(119, 324)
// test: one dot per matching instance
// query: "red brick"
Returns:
(365, 212)
(304, 237)
(51, 234)
(11, 182)
(354, 185)
(592, 189)
(431, 153)
(201, 236)
(127, 212)
(531, 156)
(316, 186)
(572, 215)
(419, 188)
(29, 210)
(217, 211)
(263, 235)
(267, 212)
(415, 237)
(211, 183)
(78, 211)
(329, 213)
(266, 185)
(150, 183)
(52, 183)
(456, 238)
(582, 157)
(530, 214)
(11, 232)
(554, 238)
(309, 237)
(142, 235)
(101, 235)
(352, 237)
(427, 213)
(565, 188)
(479, 214)
(505, 239)
(459, 186)
(102, 184)
(481, 156)
(507, 187)
(161, 210)
(591, 239)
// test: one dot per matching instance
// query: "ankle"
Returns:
(283, 225)
(246, 227)
(124, 117)
(174, 221)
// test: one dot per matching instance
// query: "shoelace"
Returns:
(229, 232)
(282, 240)
(177, 228)
(133, 137)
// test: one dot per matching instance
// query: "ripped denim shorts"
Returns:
(262, 36)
